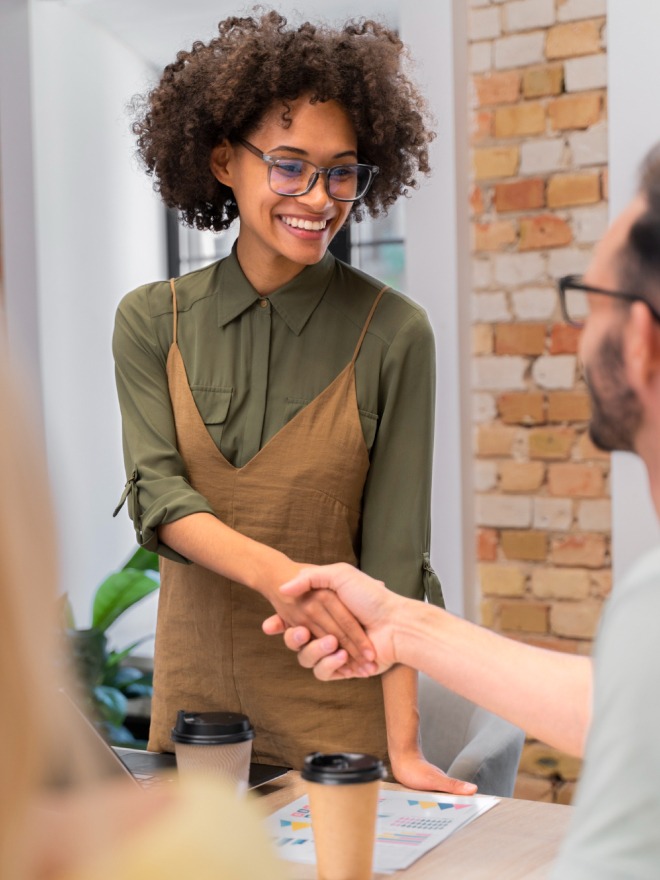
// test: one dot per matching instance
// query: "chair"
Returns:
(466, 741)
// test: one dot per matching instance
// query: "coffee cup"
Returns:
(214, 742)
(343, 790)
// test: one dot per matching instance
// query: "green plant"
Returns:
(107, 682)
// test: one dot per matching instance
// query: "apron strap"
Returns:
(174, 307)
(367, 322)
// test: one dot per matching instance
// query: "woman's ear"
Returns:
(221, 160)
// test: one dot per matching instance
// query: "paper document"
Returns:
(409, 824)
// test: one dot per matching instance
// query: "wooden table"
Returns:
(515, 839)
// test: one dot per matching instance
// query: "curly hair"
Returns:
(223, 89)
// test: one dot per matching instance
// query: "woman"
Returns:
(278, 405)
(91, 829)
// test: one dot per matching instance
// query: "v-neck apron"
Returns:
(301, 494)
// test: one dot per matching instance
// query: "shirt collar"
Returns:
(294, 302)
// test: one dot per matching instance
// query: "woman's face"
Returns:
(273, 246)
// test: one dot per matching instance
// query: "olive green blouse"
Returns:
(252, 363)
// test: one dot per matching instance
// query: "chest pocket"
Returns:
(213, 406)
(368, 420)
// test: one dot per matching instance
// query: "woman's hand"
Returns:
(324, 615)
(414, 771)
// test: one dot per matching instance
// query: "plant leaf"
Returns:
(115, 657)
(111, 703)
(143, 560)
(117, 593)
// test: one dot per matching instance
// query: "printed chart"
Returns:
(409, 825)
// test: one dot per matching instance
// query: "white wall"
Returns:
(91, 250)
(634, 125)
(437, 265)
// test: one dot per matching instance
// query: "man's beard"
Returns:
(616, 411)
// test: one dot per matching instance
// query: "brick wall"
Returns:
(538, 107)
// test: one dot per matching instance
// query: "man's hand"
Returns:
(368, 600)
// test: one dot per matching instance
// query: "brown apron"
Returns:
(301, 493)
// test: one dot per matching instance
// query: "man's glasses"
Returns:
(296, 177)
(572, 290)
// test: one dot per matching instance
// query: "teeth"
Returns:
(305, 224)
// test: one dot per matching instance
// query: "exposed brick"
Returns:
(586, 451)
(576, 620)
(519, 50)
(575, 550)
(495, 440)
(483, 407)
(520, 120)
(573, 189)
(521, 476)
(525, 339)
(601, 583)
(476, 200)
(494, 162)
(551, 443)
(564, 339)
(494, 236)
(575, 480)
(485, 475)
(590, 224)
(482, 274)
(490, 307)
(605, 181)
(481, 126)
(590, 147)
(486, 545)
(566, 583)
(544, 231)
(524, 617)
(552, 514)
(554, 371)
(582, 74)
(568, 406)
(497, 88)
(482, 339)
(595, 516)
(541, 156)
(520, 195)
(503, 511)
(501, 580)
(576, 38)
(513, 269)
(575, 111)
(480, 57)
(542, 760)
(552, 643)
(570, 10)
(544, 81)
(531, 788)
(524, 15)
(565, 793)
(534, 303)
(569, 261)
(521, 407)
(484, 23)
(499, 373)
(487, 613)
(528, 545)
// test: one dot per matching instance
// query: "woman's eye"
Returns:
(290, 169)
(342, 172)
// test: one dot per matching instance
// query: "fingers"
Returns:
(321, 649)
(297, 636)
(350, 633)
(457, 786)
(274, 626)
(327, 577)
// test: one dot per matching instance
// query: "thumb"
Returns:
(458, 786)
(273, 626)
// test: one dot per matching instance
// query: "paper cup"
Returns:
(343, 791)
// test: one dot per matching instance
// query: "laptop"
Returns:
(147, 768)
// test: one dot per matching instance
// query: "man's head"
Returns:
(620, 345)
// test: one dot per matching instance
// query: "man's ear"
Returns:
(642, 348)
(221, 162)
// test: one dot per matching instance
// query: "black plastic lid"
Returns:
(342, 768)
(211, 728)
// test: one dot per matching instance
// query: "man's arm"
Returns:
(547, 693)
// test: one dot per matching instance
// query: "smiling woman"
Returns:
(278, 405)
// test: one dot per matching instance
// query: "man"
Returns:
(607, 709)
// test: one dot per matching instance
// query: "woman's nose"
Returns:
(318, 196)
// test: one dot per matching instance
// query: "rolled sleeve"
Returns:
(157, 487)
(396, 523)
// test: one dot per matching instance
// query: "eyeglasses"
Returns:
(296, 177)
(572, 300)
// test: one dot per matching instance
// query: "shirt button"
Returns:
(263, 303)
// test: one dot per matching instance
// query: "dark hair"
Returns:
(639, 266)
(223, 89)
